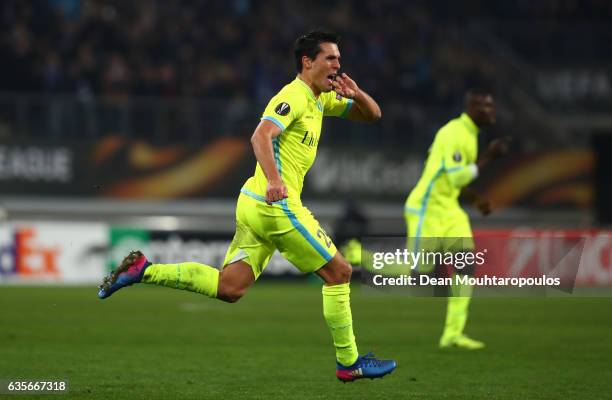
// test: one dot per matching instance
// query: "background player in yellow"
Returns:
(434, 218)
(269, 213)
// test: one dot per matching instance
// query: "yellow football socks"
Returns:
(190, 276)
(337, 313)
(457, 309)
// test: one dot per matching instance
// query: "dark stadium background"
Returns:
(126, 124)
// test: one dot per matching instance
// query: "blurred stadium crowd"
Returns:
(240, 48)
(423, 54)
(221, 49)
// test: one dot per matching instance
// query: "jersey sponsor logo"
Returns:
(457, 156)
(338, 97)
(309, 139)
(282, 109)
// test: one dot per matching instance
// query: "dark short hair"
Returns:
(474, 92)
(309, 45)
(478, 92)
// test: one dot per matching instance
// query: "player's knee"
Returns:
(346, 272)
(233, 298)
(342, 273)
(230, 293)
(234, 281)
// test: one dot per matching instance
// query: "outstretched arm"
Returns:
(262, 146)
(365, 108)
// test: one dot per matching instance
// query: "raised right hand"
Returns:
(275, 191)
(499, 147)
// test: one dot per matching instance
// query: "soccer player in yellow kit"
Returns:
(270, 215)
(435, 220)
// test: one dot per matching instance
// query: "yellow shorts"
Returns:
(447, 232)
(289, 228)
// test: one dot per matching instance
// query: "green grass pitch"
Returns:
(157, 343)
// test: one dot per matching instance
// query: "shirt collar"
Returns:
(469, 123)
(306, 88)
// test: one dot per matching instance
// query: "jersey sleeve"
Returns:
(284, 108)
(455, 160)
(335, 105)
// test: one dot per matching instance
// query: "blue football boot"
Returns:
(366, 366)
(130, 271)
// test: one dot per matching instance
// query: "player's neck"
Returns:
(309, 83)
(473, 119)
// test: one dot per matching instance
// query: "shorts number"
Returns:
(322, 235)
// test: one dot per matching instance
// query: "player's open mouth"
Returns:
(331, 78)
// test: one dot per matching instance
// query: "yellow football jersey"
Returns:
(450, 165)
(299, 114)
